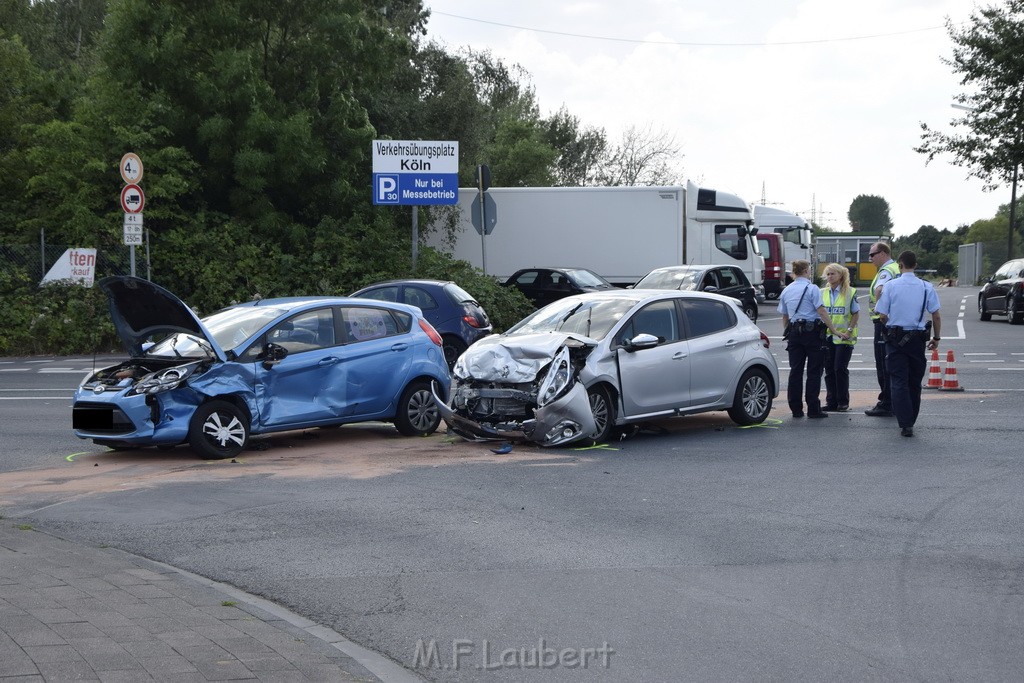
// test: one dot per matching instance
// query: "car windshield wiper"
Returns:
(571, 312)
(206, 346)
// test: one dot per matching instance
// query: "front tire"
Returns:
(603, 410)
(417, 413)
(1014, 315)
(983, 311)
(218, 430)
(751, 312)
(753, 399)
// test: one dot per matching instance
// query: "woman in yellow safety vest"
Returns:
(840, 301)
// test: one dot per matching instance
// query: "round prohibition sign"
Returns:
(132, 199)
(131, 168)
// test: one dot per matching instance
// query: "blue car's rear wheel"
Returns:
(417, 413)
(218, 430)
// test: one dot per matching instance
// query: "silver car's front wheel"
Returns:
(603, 410)
(753, 399)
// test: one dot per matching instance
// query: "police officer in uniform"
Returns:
(805, 320)
(881, 256)
(840, 301)
(903, 307)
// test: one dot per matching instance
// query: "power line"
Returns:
(687, 44)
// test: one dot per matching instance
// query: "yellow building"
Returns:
(851, 250)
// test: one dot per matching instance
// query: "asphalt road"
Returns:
(797, 550)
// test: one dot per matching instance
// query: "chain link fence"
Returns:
(34, 260)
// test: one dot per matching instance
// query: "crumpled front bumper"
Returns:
(562, 421)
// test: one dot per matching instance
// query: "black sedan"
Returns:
(1003, 294)
(725, 280)
(545, 285)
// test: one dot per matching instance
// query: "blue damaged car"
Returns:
(259, 367)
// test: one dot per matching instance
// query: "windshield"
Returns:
(592, 319)
(586, 278)
(229, 328)
(670, 278)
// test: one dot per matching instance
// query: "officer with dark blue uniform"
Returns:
(905, 303)
(805, 320)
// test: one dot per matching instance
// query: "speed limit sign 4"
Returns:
(132, 199)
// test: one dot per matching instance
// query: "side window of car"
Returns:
(560, 282)
(658, 319)
(365, 323)
(382, 294)
(415, 296)
(527, 278)
(729, 277)
(707, 317)
(305, 331)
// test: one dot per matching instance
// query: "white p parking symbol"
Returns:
(387, 189)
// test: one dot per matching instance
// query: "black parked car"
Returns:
(452, 311)
(1003, 294)
(544, 285)
(725, 280)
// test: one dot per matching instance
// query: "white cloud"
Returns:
(827, 120)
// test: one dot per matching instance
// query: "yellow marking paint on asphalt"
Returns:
(71, 458)
(770, 423)
(597, 447)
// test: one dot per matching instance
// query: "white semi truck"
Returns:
(621, 233)
(797, 235)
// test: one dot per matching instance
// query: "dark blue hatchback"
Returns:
(452, 311)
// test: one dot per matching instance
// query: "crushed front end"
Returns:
(524, 387)
(143, 401)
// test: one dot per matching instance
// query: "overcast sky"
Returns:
(818, 101)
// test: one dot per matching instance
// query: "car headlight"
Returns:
(163, 380)
(558, 379)
(459, 370)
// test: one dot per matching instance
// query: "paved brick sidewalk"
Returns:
(70, 611)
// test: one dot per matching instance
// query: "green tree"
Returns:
(580, 150)
(988, 55)
(870, 214)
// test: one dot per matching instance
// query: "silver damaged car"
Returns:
(585, 365)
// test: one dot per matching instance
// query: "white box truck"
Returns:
(621, 233)
(797, 235)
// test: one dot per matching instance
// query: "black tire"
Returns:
(417, 413)
(1014, 315)
(603, 410)
(218, 430)
(750, 310)
(453, 348)
(753, 399)
(983, 311)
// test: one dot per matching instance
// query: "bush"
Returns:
(56, 319)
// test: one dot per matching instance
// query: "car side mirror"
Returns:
(273, 354)
(641, 341)
(710, 288)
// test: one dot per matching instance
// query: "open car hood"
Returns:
(140, 309)
(516, 358)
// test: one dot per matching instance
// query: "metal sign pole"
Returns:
(415, 235)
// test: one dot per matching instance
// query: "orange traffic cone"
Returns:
(950, 382)
(934, 372)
